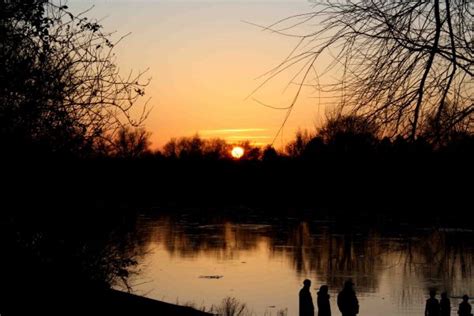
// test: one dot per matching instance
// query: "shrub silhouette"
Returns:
(61, 90)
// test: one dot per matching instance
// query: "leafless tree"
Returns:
(396, 62)
(348, 125)
(130, 143)
(60, 75)
(296, 147)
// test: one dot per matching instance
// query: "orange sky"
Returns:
(204, 61)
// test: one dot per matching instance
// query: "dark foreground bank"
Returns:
(91, 302)
(53, 264)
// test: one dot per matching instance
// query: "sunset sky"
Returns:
(204, 61)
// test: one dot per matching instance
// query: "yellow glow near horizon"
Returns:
(237, 152)
(233, 130)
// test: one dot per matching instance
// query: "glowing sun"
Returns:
(237, 152)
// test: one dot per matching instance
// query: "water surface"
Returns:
(262, 260)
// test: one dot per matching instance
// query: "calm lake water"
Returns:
(262, 261)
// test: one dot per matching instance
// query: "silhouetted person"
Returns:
(465, 308)
(306, 301)
(445, 305)
(432, 305)
(324, 307)
(347, 300)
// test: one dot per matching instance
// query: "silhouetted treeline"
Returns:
(355, 135)
(344, 164)
(340, 136)
(413, 186)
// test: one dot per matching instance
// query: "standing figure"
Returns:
(465, 308)
(445, 305)
(432, 305)
(306, 301)
(347, 300)
(324, 307)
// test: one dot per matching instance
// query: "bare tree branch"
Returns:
(397, 63)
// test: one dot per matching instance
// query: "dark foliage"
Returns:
(60, 90)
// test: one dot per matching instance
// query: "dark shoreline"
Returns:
(432, 184)
(93, 302)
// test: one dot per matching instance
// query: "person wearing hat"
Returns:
(465, 308)
(306, 301)
(347, 300)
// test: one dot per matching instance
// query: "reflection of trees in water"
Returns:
(333, 257)
(436, 258)
(440, 259)
(223, 241)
